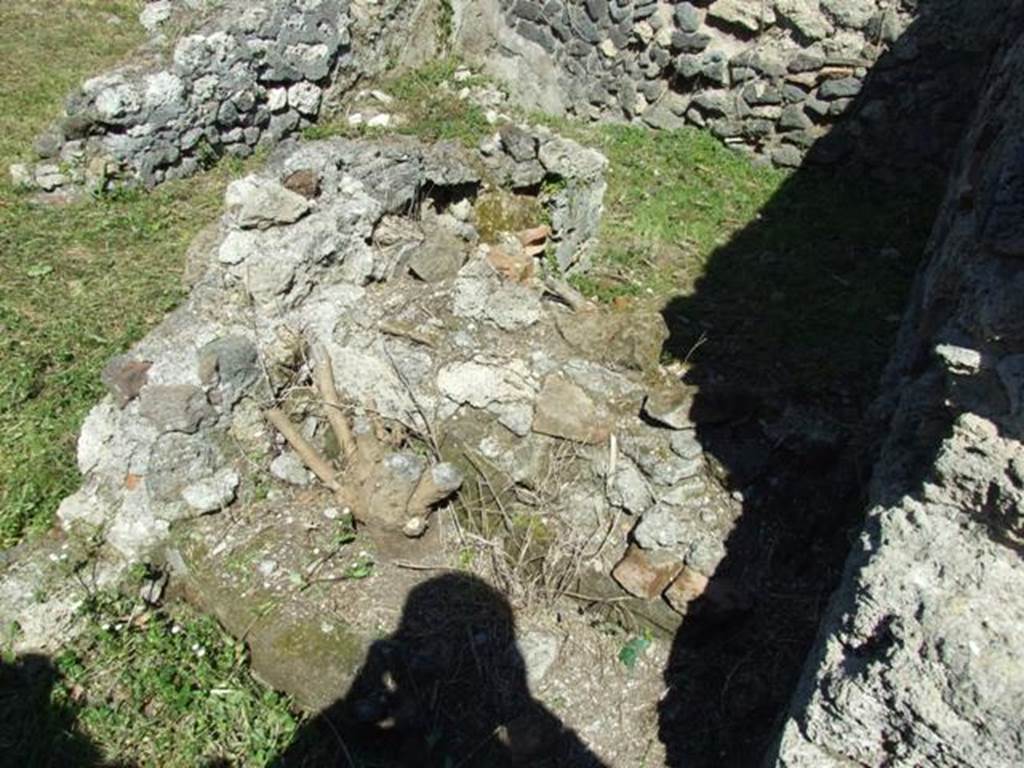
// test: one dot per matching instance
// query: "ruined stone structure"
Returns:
(917, 662)
(371, 254)
(772, 79)
(245, 74)
(769, 78)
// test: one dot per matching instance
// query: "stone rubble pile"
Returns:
(371, 253)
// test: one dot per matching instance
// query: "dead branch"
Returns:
(436, 484)
(324, 376)
(309, 455)
(419, 567)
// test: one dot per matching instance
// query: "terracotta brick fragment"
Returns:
(688, 586)
(644, 573)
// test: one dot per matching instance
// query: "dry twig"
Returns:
(324, 376)
(316, 463)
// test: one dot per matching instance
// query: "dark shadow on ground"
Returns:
(786, 336)
(37, 730)
(448, 689)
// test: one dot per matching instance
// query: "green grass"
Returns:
(145, 687)
(78, 283)
(431, 111)
(673, 198)
(793, 280)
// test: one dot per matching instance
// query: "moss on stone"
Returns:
(500, 211)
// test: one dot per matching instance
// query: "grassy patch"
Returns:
(78, 283)
(46, 49)
(428, 100)
(793, 278)
(673, 198)
(145, 687)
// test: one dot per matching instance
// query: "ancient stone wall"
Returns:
(919, 657)
(770, 77)
(780, 79)
(242, 74)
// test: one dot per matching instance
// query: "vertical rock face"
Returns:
(919, 657)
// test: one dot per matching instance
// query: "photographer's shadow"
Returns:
(448, 689)
(38, 728)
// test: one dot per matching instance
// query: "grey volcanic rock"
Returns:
(919, 658)
(688, 17)
(806, 16)
(212, 494)
(752, 15)
(289, 468)
(263, 203)
(851, 13)
(175, 407)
